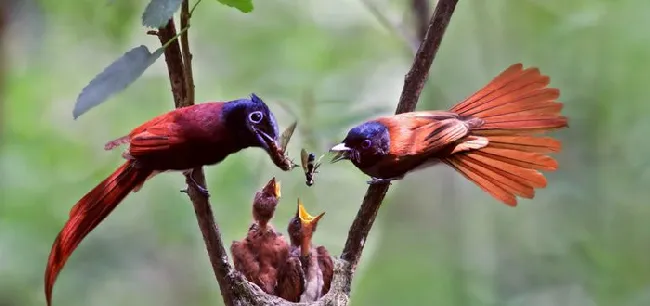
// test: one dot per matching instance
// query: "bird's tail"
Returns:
(510, 113)
(87, 214)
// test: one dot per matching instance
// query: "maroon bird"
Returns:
(492, 137)
(182, 139)
(308, 271)
(259, 255)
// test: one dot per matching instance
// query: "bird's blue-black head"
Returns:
(251, 121)
(364, 145)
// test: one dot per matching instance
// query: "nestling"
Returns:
(308, 271)
(259, 255)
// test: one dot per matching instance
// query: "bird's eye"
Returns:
(366, 144)
(255, 117)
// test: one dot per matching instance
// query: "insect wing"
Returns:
(286, 136)
(304, 160)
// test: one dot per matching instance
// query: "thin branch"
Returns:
(413, 84)
(187, 55)
(174, 61)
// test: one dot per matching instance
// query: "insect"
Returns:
(278, 154)
(310, 165)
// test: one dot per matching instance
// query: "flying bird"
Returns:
(259, 255)
(308, 271)
(180, 140)
(493, 137)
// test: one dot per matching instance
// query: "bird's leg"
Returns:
(189, 175)
(374, 180)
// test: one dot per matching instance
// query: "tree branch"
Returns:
(174, 61)
(182, 85)
(187, 55)
(413, 84)
(234, 288)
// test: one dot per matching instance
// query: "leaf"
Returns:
(158, 12)
(115, 78)
(245, 6)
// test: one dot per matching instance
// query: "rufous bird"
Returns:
(308, 270)
(259, 255)
(492, 137)
(181, 140)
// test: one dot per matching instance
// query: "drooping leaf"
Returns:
(115, 78)
(158, 12)
(245, 6)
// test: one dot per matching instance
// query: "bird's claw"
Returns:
(199, 188)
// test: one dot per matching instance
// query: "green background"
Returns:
(438, 240)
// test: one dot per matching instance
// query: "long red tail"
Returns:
(516, 106)
(87, 214)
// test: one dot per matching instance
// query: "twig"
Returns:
(413, 84)
(187, 55)
(174, 61)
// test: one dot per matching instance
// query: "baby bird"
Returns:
(307, 273)
(259, 255)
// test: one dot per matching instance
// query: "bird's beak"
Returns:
(273, 187)
(264, 139)
(305, 217)
(342, 152)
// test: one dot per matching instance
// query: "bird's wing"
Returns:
(177, 130)
(291, 280)
(326, 266)
(424, 132)
(244, 260)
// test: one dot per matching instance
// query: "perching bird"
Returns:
(259, 255)
(182, 139)
(308, 271)
(492, 137)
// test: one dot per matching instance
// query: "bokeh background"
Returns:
(438, 240)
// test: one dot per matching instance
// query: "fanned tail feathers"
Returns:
(87, 214)
(515, 108)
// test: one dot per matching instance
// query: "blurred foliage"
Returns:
(439, 240)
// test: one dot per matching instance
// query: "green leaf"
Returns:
(115, 78)
(245, 6)
(158, 12)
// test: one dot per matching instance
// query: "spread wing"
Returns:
(424, 132)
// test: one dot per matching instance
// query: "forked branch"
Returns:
(234, 288)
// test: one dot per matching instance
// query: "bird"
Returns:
(259, 255)
(179, 140)
(308, 271)
(493, 137)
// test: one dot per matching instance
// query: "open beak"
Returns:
(264, 139)
(273, 187)
(305, 217)
(342, 152)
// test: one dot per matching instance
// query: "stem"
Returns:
(187, 55)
